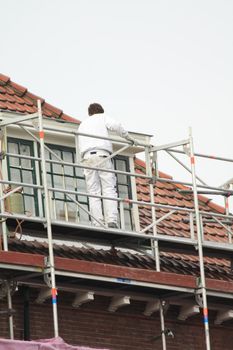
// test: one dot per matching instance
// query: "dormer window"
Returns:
(61, 177)
(23, 170)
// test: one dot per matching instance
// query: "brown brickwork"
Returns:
(126, 329)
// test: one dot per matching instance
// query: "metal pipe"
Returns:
(122, 215)
(10, 193)
(168, 145)
(75, 132)
(199, 241)
(9, 302)
(19, 119)
(77, 165)
(161, 179)
(142, 203)
(2, 204)
(162, 324)
(185, 167)
(22, 184)
(227, 211)
(113, 154)
(154, 244)
(48, 221)
(202, 155)
(230, 233)
(26, 313)
(157, 221)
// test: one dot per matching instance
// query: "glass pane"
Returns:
(49, 180)
(82, 199)
(25, 151)
(27, 164)
(83, 216)
(60, 210)
(48, 165)
(121, 165)
(57, 168)
(128, 224)
(122, 179)
(27, 178)
(70, 183)
(79, 172)
(81, 185)
(58, 181)
(13, 148)
(29, 203)
(68, 157)
(123, 191)
(72, 212)
(15, 174)
(13, 161)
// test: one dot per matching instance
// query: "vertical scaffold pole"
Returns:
(48, 221)
(4, 232)
(2, 204)
(227, 212)
(154, 244)
(199, 239)
(9, 302)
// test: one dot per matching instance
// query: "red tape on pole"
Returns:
(41, 134)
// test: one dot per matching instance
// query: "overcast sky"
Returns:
(156, 66)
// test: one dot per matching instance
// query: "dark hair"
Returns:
(95, 108)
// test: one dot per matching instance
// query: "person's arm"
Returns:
(115, 126)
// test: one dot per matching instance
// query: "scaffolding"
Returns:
(148, 236)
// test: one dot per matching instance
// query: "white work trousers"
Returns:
(100, 182)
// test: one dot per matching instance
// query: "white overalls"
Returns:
(93, 151)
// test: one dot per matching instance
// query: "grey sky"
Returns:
(157, 66)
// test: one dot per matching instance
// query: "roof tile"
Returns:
(4, 78)
(13, 94)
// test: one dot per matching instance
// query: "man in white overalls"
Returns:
(93, 151)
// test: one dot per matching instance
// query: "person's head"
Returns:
(95, 108)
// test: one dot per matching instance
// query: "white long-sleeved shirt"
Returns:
(98, 124)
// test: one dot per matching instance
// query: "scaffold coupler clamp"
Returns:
(47, 272)
(153, 179)
(198, 292)
(6, 285)
(186, 149)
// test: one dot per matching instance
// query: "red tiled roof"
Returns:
(16, 98)
(176, 224)
(184, 264)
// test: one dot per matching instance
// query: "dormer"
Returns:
(68, 199)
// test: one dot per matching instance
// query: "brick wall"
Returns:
(127, 329)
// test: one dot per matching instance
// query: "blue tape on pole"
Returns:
(54, 301)
(123, 280)
(205, 319)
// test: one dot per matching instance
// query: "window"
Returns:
(61, 177)
(124, 188)
(69, 178)
(23, 170)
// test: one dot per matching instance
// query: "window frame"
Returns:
(21, 142)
